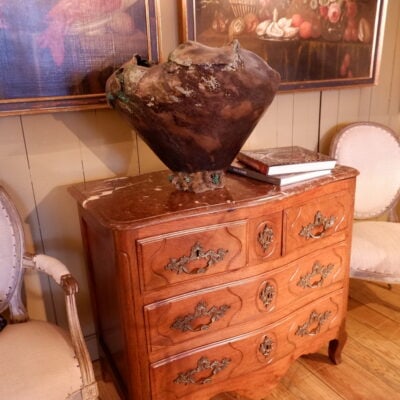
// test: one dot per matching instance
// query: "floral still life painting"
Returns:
(59, 53)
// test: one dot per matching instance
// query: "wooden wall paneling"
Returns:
(306, 110)
(124, 142)
(328, 118)
(107, 145)
(349, 105)
(14, 168)
(285, 111)
(265, 133)
(55, 163)
(15, 177)
(339, 108)
(292, 118)
(364, 112)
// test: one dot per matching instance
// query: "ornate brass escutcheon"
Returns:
(307, 281)
(215, 313)
(266, 237)
(314, 324)
(203, 364)
(319, 221)
(266, 347)
(267, 294)
(196, 253)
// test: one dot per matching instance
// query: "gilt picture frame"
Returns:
(313, 44)
(56, 55)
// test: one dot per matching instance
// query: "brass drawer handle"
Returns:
(203, 364)
(307, 281)
(266, 347)
(314, 324)
(319, 221)
(196, 253)
(266, 237)
(267, 294)
(215, 313)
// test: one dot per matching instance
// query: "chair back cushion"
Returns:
(11, 249)
(374, 150)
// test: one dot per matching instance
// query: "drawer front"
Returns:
(191, 254)
(187, 373)
(317, 219)
(204, 315)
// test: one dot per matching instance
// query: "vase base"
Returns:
(198, 182)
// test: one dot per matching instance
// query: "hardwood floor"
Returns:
(371, 358)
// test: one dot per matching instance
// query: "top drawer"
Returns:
(191, 254)
(316, 219)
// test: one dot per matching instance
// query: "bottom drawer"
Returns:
(209, 368)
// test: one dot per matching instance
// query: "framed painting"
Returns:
(313, 44)
(56, 55)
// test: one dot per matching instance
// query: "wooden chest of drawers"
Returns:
(197, 294)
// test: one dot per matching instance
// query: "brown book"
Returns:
(285, 160)
(279, 180)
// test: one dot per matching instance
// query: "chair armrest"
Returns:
(50, 266)
(61, 275)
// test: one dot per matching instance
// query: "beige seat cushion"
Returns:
(375, 253)
(37, 362)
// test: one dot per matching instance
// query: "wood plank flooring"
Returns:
(370, 369)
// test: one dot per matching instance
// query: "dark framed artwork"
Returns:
(314, 44)
(56, 55)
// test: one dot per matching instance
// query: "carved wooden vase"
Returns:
(196, 110)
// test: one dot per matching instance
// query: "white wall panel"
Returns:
(265, 133)
(306, 119)
(55, 162)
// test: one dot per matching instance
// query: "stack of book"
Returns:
(282, 165)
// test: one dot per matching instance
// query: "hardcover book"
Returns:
(279, 180)
(285, 160)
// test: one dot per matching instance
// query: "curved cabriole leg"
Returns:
(336, 346)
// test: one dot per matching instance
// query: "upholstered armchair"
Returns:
(374, 150)
(38, 360)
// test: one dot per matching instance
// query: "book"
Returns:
(279, 180)
(285, 160)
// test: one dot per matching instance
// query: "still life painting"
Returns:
(59, 53)
(311, 43)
